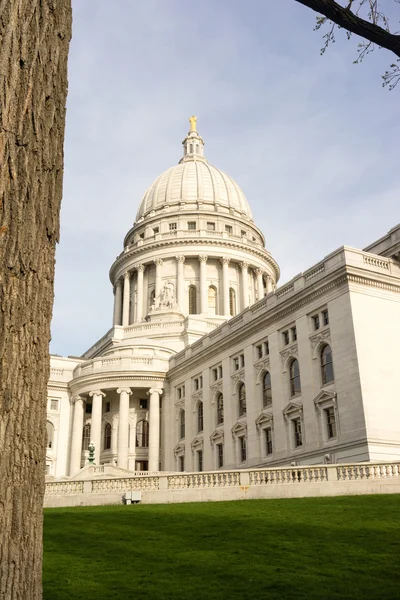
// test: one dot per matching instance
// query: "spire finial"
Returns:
(193, 121)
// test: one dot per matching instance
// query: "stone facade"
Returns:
(209, 365)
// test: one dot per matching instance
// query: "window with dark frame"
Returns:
(242, 448)
(330, 422)
(199, 460)
(220, 372)
(266, 348)
(107, 437)
(241, 360)
(53, 404)
(107, 407)
(242, 400)
(298, 438)
(325, 317)
(228, 228)
(294, 333)
(295, 385)
(267, 391)
(315, 320)
(172, 226)
(210, 226)
(142, 434)
(232, 302)
(156, 230)
(326, 365)
(236, 363)
(86, 437)
(285, 336)
(192, 300)
(220, 455)
(182, 424)
(268, 441)
(259, 350)
(143, 403)
(191, 225)
(181, 464)
(220, 409)
(49, 434)
(200, 417)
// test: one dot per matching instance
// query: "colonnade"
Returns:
(123, 428)
(122, 289)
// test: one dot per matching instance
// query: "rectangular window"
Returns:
(298, 438)
(268, 441)
(201, 381)
(315, 321)
(107, 407)
(325, 317)
(191, 225)
(196, 384)
(228, 228)
(53, 404)
(215, 374)
(236, 363)
(330, 422)
(143, 403)
(181, 463)
(179, 392)
(88, 409)
(220, 455)
(210, 226)
(200, 460)
(242, 448)
(241, 360)
(259, 351)
(172, 226)
(285, 335)
(266, 348)
(156, 230)
(294, 334)
(220, 372)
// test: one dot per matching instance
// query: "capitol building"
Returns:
(212, 364)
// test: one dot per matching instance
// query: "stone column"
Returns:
(225, 284)
(203, 283)
(159, 263)
(123, 427)
(118, 302)
(127, 293)
(180, 280)
(245, 284)
(154, 429)
(76, 442)
(139, 298)
(97, 411)
(260, 283)
(270, 284)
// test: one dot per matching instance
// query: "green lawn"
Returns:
(307, 548)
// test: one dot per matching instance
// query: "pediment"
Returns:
(293, 407)
(325, 396)
(179, 448)
(217, 436)
(239, 427)
(264, 417)
(197, 443)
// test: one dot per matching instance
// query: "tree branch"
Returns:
(345, 18)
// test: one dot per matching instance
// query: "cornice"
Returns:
(109, 380)
(193, 242)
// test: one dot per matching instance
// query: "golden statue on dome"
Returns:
(193, 121)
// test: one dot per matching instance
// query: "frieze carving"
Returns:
(260, 367)
(216, 387)
(237, 376)
(197, 396)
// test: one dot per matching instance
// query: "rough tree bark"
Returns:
(34, 42)
(345, 18)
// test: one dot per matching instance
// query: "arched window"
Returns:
(107, 437)
(242, 400)
(220, 409)
(212, 300)
(182, 424)
(86, 437)
(49, 434)
(267, 392)
(192, 300)
(152, 297)
(295, 387)
(326, 365)
(142, 434)
(232, 302)
(200, 419)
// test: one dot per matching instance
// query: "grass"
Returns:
(329, 548)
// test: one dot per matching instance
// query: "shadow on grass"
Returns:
(304, 548)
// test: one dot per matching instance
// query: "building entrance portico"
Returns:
(123, 423)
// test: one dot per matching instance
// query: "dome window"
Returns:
(191, 225)
(232, 302)
(192, 300)
(210, 226)
(172, 226)
(228, 228)
(212, 300)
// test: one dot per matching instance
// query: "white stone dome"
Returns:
(195, 181)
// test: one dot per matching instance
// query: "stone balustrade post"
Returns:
(97, 412)
(123, 427)
(77, 431)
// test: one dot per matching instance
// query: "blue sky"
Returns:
(313, 141)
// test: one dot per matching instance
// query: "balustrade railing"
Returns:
(293, 475)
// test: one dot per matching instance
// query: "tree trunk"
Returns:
(34, 42)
